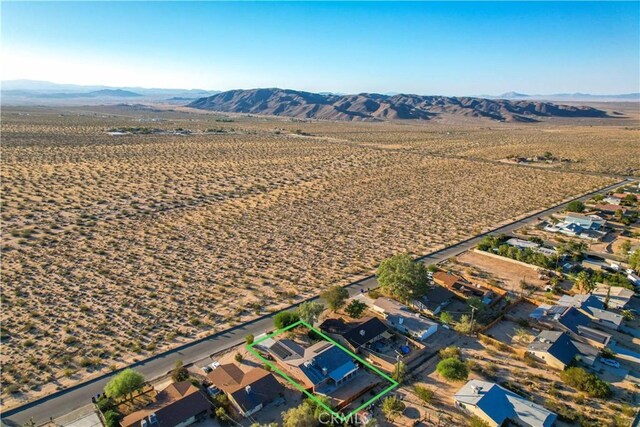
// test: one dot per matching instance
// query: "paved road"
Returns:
(70, 399)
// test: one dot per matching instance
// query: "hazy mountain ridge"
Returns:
(571, 97)
(371, 106)
(35, 90)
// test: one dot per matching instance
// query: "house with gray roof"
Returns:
(593, 307)
(499, 406)
(572, 321)
(616, 297)
(320, 367)
(554, 348)
(403, 319)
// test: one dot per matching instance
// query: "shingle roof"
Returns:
(364, 332)
(263, 388)
(445, 279)
(437, 295)
(558, 344)
(175, 404)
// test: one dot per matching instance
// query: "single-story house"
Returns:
(554, 348)
(434, 300)
(499, 406)
(593, 307)
(572, 321)
(589, 222)
(403, 319)
(321, 367)
(613, 200)
(180, 404)
(358, 334)
(248, 391)
(615, 297)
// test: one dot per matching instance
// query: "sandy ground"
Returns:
(508, 274)
(116, 248)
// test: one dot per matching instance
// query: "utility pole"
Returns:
(473, 310)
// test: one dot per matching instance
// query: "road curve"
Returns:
(69, 399)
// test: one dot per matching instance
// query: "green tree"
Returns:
(335, 297)
(399, 371)
(249, 339)
(598, 197)
(179, 373)
(575, 206)
(634, 260)
(625, 248)
(300, 416)
(453, 369)
(584, 282)
(123, 384)
(221, 414)
(402, 277)
(446, 317)
(310, 311)
(464, 325)
(392, 407)
(285, 318)
(355, 309)
(112, 418)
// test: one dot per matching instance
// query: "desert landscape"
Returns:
(118, 247)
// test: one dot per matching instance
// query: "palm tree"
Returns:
(584, 282)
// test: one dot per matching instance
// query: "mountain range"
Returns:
(371, 106)
(510, 106)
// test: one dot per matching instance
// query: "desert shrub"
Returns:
(335, 297)
(453, 369)
(565, 412)
(476, 421)
(586, 382)
(451, 351)
(424, 393)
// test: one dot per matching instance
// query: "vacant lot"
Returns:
(115, 248)
(505, 273)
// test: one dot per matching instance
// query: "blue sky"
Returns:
(454, 48)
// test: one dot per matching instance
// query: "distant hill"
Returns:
(572, 97)
(34, 91)
(370, 106)
(120, 93)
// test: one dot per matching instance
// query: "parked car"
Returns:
(213, 390)
(610, 362)
(214, 365)
(207, 369)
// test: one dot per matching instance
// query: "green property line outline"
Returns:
(340, 417)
